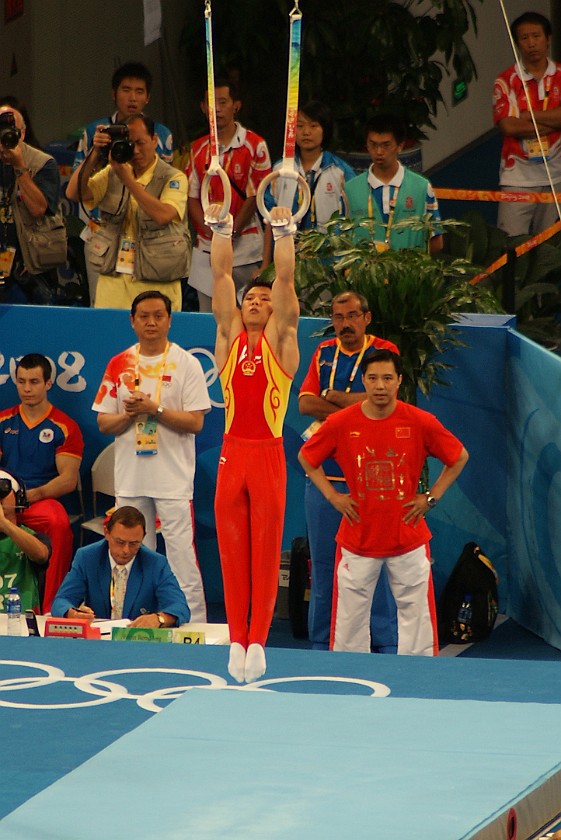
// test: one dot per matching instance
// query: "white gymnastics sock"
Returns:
(255, 663)
(236, 662)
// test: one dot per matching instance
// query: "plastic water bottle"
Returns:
(465, 614)
(13, 602)
(466, 611)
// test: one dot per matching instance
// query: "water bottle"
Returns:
(466, 611)
(464, 618)
(13, 602)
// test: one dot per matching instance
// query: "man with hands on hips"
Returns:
(381, 445)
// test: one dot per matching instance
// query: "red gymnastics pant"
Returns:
(49, 517)
(249, 509)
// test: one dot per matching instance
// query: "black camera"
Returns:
(9, 133)
(122, 150)
(8, 483)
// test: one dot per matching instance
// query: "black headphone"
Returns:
(9, 482)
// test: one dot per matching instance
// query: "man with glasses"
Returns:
(334, 382)
(118, 577)
(389, 192)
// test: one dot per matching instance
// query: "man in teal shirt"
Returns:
(389, 192)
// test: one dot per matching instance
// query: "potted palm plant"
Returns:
(413, 297)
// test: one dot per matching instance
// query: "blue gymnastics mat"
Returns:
(260, 765)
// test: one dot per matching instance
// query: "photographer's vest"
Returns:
(411, 201)
(162, 252)
(42, 240)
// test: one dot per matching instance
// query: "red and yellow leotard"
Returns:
(251, 487)
(255, 391)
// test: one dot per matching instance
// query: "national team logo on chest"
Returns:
(248, 366)
(46, 435)
(409, 202)
(403, 432)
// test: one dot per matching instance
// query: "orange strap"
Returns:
(496, 195)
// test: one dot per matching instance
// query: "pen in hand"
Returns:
(84, 611)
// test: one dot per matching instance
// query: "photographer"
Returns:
(21, 549)
(143, 242)
(131, 88)
(32, 230)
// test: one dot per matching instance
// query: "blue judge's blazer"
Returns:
(151, 585)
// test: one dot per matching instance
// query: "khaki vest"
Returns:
(162, 252)
(43, 240)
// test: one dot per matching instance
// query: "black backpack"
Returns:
(468, 606)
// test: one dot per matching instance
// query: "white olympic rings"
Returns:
(106, 690)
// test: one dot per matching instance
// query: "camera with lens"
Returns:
(121, 148)
(9, 133)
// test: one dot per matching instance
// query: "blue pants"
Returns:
(323, 522)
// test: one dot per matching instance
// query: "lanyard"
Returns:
(391, 214)
(354, 370)
(312, 177)
(160, 377)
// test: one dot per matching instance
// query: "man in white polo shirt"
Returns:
(153, 398)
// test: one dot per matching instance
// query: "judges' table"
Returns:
(214, 634)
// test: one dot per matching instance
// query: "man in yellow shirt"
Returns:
(143, 242)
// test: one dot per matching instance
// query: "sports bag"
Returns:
(468, 606)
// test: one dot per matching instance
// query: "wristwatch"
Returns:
(431, 501)
(161, 620)
(160, 410)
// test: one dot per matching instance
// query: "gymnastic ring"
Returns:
(225, 186)
(272, 176)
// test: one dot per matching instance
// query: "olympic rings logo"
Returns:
(103, 689)
(211, 373)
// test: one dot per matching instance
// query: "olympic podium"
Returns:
(325, 745)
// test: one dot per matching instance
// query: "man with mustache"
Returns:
(334, 382)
